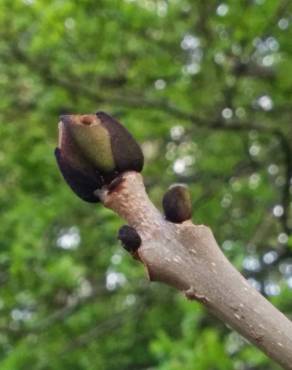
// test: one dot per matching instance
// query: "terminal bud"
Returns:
(93, 150)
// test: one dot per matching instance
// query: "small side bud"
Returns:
(177, 204)
(129, 238)
(93, 150)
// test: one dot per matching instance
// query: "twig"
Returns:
(187, 257)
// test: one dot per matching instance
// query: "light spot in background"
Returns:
(227, 245)
(283, 238)
(272, 43)
(265, 102)
(230, 81)
(69, 239)
(116, 259)
(254, 180)
(162, 8)
(268, 60)
(155, 34)
(236, 185)
(254, 149)
(289, 282)
(236, 213)
(159, 84)
(251, 263)
(226, 200)
(130, 300)
(186, 8)
(271, 288)
(240, 112)
(236, 49)
(179, 166)
(253, 135)
(182, 166)
(149, 5)
(266, 46)
(188, 146)
(222, 10)
(69, 23)
(20, 314)
(286, 268)
(278, 210)
(28, 2)
(171, 151)
(196, 55)
(254, 283)
(191, 69)
(283, 23)
(150, 148)
(280, 181)
(176, 132)
(114, 280)
(219, 58)
(234, 343)
(227, 113)
(258, 43)
(270, 257)
(273, 169)
(72, 300)
(223, 34)
(189, 160)
(84, 289)
(190, 42)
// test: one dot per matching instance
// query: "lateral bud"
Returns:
(129, 238)
(177, 204)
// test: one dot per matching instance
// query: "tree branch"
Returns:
(187, 257)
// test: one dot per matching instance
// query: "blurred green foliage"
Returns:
(205, 87)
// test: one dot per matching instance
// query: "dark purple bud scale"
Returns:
(177, 204)
(129, 238)
(126, 152)
(82, 183)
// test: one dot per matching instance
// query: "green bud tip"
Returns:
(177, 204)
(129, 238)
(93, 150)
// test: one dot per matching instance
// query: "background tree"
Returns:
(205, 87)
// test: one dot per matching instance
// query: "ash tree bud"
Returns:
(93, 150)
(177, 204)
(129, 238)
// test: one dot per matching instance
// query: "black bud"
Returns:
(177, 204)
(130, 239)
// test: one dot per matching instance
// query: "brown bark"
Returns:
(187, 257)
